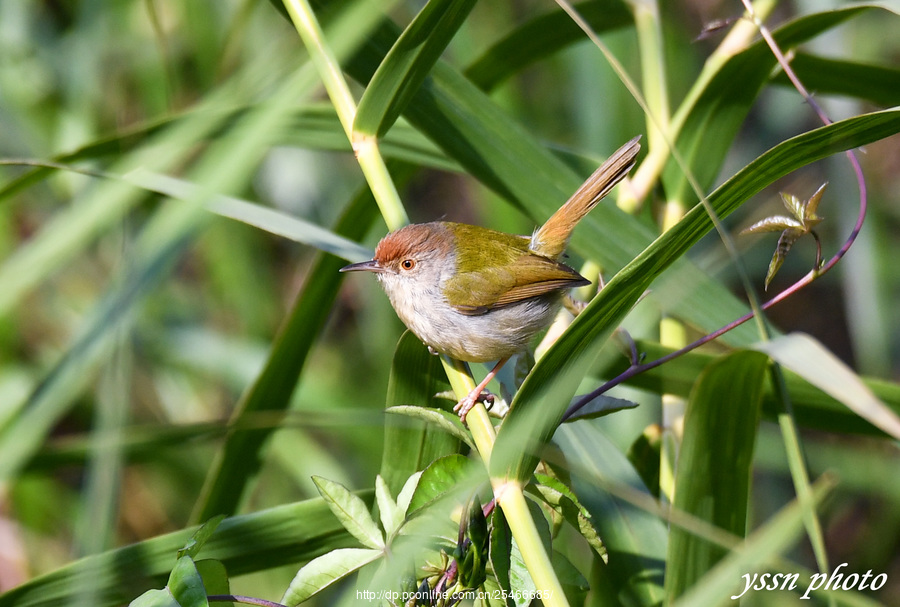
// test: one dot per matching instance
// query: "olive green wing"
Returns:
(529, 275)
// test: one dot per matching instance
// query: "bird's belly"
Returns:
(497, 334)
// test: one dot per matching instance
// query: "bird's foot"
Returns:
(472, 398)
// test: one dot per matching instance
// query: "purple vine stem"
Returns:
(637, 369)
(247, 600)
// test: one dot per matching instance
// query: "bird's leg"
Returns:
(465, 405)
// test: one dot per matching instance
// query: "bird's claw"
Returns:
(466, 404)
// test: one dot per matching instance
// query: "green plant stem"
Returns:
(653, 74)
(366, 148)
(509, 495)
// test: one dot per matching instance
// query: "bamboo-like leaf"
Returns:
(325, 571)
(810, 360)
(813, 408)
(351, 511)
(879, 84)
(634, 538)
(263, 540)
(415, 436)
(266, 219)
(542, 37)
(712, 481)
(408, 63)
(778, 534)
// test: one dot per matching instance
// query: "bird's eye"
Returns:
(408, 264)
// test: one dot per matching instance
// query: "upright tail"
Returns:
(551, 239)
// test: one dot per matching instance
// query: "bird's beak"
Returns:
(364, 266)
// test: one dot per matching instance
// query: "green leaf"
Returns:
(258, 216)
(410, 445)
(407, 492)
(879, 84)
(193, 545)
(634, 538)
(215, 579)
(712, 481)
(601, 406)
(564, 501)
(407, 64)
(187, 585)
(778, 534)
(325, 571)
(813, 362)
(263, 540)
(446, 476)
(391, 516)
(351, 511)
(444, 420)
(155, 598)
(543, 36)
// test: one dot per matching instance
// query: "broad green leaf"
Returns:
(193, 545)
(772, 539)
(634, 538)
(541, 401)
(325, 571)
(813, 362)
(351, 511)
(155, 598)
(446, 476)
(712, 481)
(410, 441)
(187, 585)
(264, 540)
(408, 63)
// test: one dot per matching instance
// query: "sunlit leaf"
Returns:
(351, 511)
(324, 571)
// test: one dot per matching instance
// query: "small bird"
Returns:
(480, 295)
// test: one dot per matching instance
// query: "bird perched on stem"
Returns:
(479, 295)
